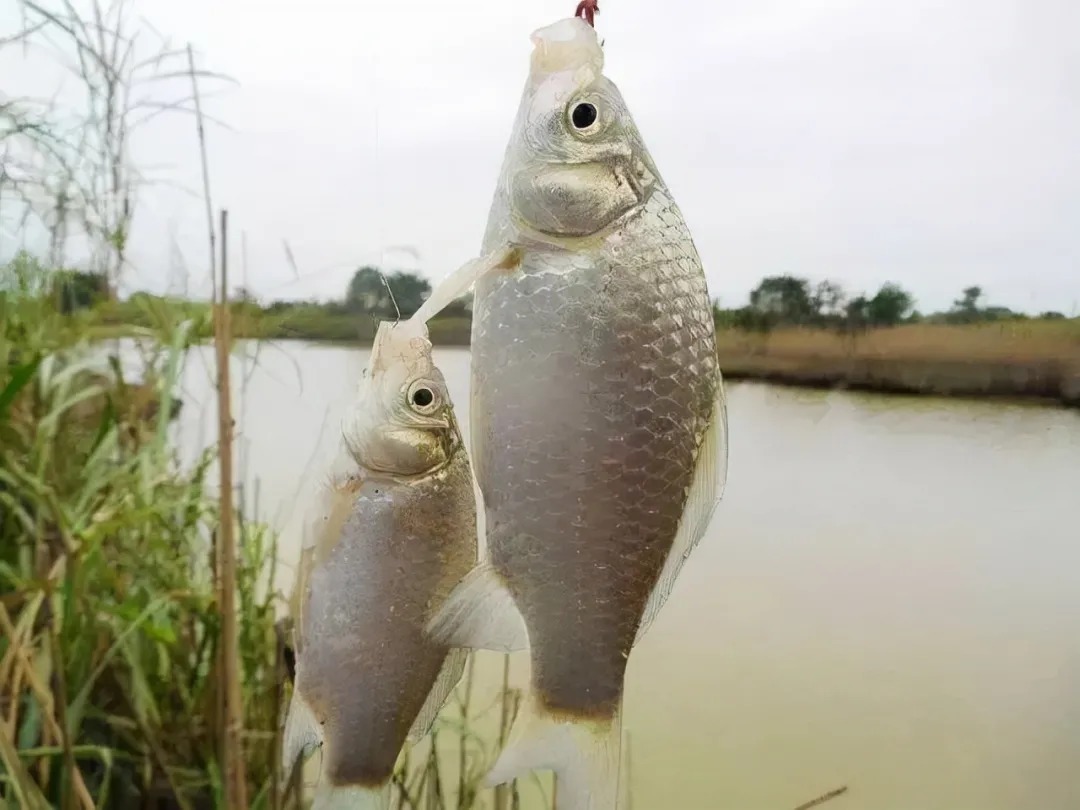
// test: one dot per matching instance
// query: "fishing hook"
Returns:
(587, 10)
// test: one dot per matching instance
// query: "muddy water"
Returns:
(888, 598)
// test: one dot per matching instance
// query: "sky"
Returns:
(931, 144)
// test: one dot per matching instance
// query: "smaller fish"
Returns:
(395, 531)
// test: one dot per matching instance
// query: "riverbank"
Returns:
(1027, 359)
(1016, 360)
(1031, 358)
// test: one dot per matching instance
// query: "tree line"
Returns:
(787, 300)
(777, 301)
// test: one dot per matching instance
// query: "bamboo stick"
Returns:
(232, 744)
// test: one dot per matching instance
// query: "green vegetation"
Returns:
(792, 331)
(353, 319)
(110, 629)
(790, 301)
(815, 335)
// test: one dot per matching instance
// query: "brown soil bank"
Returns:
(1018, 359)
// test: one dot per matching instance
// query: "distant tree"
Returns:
(79, 290)
(368, 293)
(784, 299)
(409, 292)
(966, 308)
(889, 305)
(750, 319)
(1052, 316)
(857, 314)
(243, 295)
(970, 299)
(999, 314)
(828, 299)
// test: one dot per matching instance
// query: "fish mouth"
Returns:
(565, 45)
(401, 341)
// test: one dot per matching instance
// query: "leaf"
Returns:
(26, 792)
(19, 378)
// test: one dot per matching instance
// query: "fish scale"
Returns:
(613, 379)
(402, 547)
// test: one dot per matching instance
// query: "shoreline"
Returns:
(1047, 380)
(985, 383)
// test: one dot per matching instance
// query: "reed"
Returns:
(1023, 359)
(108, 610)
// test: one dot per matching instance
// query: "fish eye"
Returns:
(423, 398)
(584, 115)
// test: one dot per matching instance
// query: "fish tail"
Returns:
(584, 753)
(302, 734)
(351, 797)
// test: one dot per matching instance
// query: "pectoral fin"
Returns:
(480, 614)
(448, 678)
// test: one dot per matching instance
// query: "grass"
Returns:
(311, 321)
(1037, 358)
(110, 629)
(1023, 341)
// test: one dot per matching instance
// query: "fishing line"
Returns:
(380, 250)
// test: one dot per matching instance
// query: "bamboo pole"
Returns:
(232, 751)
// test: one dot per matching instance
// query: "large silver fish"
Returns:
(394, 533)
(598, 413)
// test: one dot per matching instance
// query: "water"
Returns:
(888, 597)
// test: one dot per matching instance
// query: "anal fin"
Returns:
(302, 734)
(449, 675)
(480, 614)
(706, 490)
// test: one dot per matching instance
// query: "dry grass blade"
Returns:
(27, 793)
(205, 170)
(823, 798)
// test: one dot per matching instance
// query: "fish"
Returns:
(598, 412)
(392, 534)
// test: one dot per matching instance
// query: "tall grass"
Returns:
(110, 627)
(1020, 358)
(1011, 341)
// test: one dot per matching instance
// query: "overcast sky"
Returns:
(935, 144)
